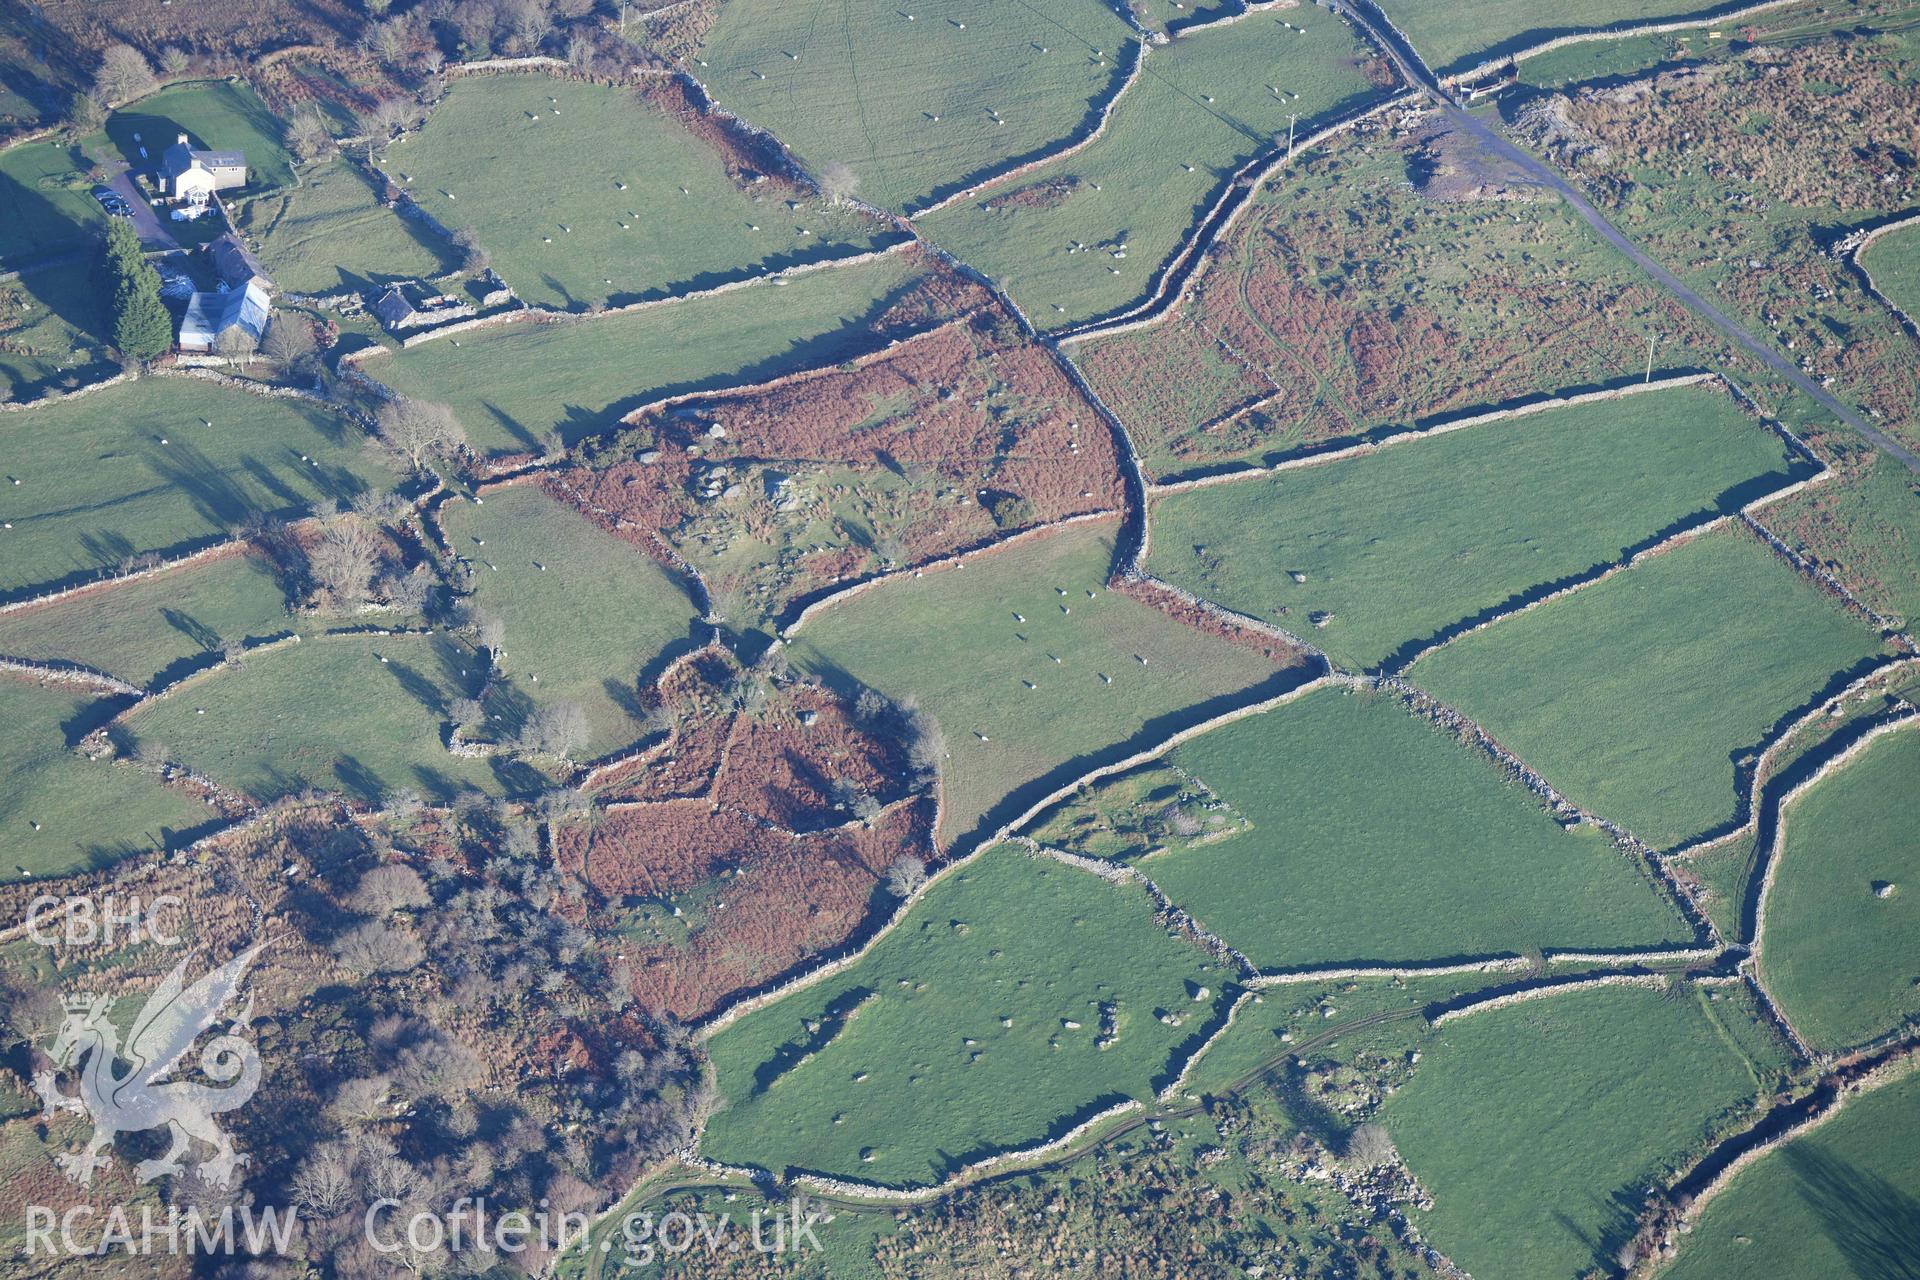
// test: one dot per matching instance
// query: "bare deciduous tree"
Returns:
(323, 1182)
(360, 1100)
(838, 182)
(388, 888)
(556, 729)
(174, 60)
(906, 875)
(580, 53)
(235, 343)
(419, 430)
(378, 948)
(1370, 1146)
(289, 340)
(343, 563)
(307, 135)
(123, 74)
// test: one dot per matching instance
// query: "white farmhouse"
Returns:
(194, 176)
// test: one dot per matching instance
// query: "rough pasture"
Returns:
(1846, 1193)
(916, 107)
(152, 630)
(945, 441)
(53, 334)
(513, 387)
(219, 114)
(383, 730)
(1584, 1100)
(633, 204)
(587, 619)
(1033, 668)
(1373, 837)
(332, 233)
(1451, 38)
(44, 206)
(66, 813)
(730, 856)
(1350, 303)
(1644, 697)
(1864, 528)
(1375, 555)
(1203, 106)
(137, 468)
(973, 1027)
(1843, 912)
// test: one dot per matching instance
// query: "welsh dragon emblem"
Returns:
(142, 1097)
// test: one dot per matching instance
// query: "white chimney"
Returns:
(183, 139)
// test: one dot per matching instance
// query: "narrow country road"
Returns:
(1416, 74)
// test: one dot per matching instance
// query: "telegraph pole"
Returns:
(1650, 337)
(1290, 120)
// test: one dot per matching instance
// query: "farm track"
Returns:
(1415, 71)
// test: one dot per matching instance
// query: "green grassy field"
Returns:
(154, 629)
(611, 220)
(588, 614)
(218, 115)
(511, 386)
(1453, 38)
(97, 486)
(380, 727)
(915, 107)
(908, 1056)
(332, 233)
(977, 646)
(1843, 1200)
(1536, 1128)
(1841, 960)
(1375, 838)
(59, 811)
(1479, 519)
(52, 333)
(1894, 261)
(1202, 107)
(1636, 696)
(44, 205)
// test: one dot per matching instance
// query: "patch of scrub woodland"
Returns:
(1202, 107)
(634, 203)
(1842, 917)
(1374, 557)
(983, 1031)
(1687, 665)
(1033, 670)
(1354, 297)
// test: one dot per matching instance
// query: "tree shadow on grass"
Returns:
(1874, 1224)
